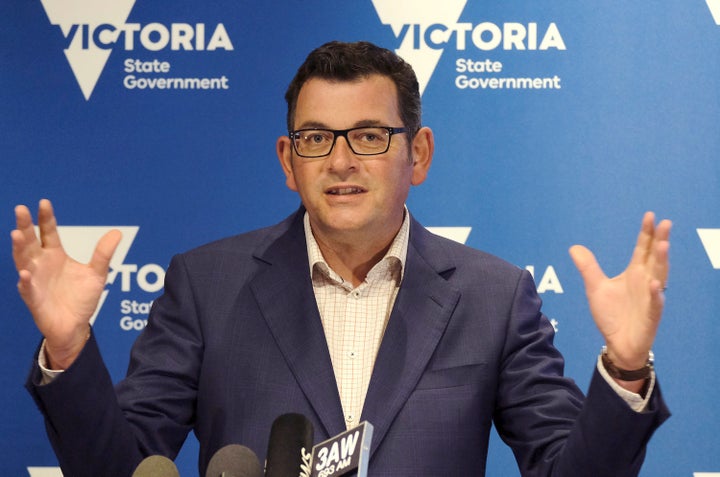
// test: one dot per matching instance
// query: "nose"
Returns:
(341, 158)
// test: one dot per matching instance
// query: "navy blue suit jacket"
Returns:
(236, 340)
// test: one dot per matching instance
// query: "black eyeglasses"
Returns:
(363, 141)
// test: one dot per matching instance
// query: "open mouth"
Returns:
(345, 190)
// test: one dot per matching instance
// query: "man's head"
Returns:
(338, 61)
(349, 153)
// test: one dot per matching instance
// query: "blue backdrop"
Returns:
(556, 123)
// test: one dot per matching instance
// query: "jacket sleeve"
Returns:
(85, 425)
(551, 427)
(98, 429)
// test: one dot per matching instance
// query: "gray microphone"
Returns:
(234, 460)
(156, 466)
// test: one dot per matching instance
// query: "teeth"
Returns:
(346, 190)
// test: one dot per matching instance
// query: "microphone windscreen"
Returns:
(289, 434)
(234, 460)
(156, 466)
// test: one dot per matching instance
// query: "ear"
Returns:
(423, 147)
(283, 148)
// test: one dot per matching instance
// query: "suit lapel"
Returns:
(285, 296)
(421, 313)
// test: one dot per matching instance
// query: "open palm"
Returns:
(627, 308)
(60, 293)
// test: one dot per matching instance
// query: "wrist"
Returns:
(62, 357)
(627, 373)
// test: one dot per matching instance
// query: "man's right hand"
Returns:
(60, 293)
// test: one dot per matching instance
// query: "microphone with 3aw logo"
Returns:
(291, 453)
(341, 454)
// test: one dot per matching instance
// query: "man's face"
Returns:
(347, 195)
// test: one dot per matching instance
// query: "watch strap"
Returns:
(624, 374)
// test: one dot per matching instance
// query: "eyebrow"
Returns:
(358, 124)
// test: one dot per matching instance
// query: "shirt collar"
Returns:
(397, 253)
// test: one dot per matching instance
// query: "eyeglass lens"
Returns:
(319, 142)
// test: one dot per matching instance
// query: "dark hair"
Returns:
(339, 61)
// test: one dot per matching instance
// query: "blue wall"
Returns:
(625, 119)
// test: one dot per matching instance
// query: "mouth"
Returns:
(345, 190)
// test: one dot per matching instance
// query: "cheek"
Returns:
(397, 180)
(401, 173)
(302, 179)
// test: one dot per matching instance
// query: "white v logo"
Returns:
(710, 239)
(714, 6)
(78, 18)
(402, 13)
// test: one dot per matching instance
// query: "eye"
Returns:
(370, 135)
(317, 137)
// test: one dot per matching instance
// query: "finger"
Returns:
(24, 241)
(661, 262)
(24, 224)
(657, 264)
(588, 267)
(643, 246)
(100, 261)
(19, 251)
(48, 225)
(662, 231)
(24, 286)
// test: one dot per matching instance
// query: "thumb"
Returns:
(100, 261)
(588, 267)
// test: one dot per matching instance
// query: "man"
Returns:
(347, 311)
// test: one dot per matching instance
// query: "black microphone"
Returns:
(234, 460)
(156, 466)
(291, 436)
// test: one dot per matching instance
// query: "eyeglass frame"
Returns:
(344, 133)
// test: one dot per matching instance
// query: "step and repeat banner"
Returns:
(556, 123)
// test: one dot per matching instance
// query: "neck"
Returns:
(351, 263)
(352, 256)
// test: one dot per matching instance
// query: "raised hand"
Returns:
(60, 293)
(627, 308)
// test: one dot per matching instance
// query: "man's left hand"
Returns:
(627, 308)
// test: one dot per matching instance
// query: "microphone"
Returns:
(291, 436)
(339, 455)
(234, 460)
(156, 466)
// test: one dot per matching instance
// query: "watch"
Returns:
(624, 374)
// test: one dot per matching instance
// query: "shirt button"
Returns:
(356, 294)
(350, 418)
(352, 354)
